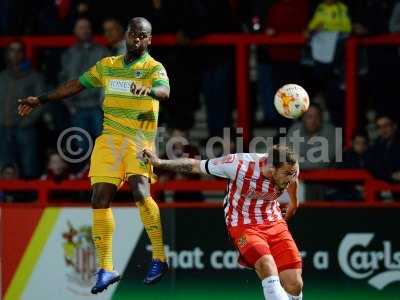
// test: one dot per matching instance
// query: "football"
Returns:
(291, 101)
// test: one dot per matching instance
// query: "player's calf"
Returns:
(292, 283)
(268, 273)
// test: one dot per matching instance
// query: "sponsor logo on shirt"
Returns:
(118, 85)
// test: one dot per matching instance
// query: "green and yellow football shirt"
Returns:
(124, 113)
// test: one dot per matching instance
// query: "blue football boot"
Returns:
(104, 279)
(156, 271)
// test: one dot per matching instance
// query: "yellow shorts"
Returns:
(115, 158)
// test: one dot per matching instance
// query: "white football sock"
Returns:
(299, 297)
(273, 289)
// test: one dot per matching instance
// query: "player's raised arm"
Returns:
(181, 165)
(66, 89)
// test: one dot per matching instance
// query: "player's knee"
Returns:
(266, 266)
(102, 195)
(294, 286)
(100, 202)
(140, 187)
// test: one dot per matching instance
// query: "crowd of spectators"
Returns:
(28, 146)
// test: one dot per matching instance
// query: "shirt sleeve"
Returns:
(225, 166)
(92, 78)
(159, 76)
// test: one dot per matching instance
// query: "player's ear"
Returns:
(150, 39)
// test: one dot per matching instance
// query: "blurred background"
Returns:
(225, 60)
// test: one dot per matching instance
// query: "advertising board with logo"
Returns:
(348, 254)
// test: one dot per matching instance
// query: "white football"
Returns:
(291, 101)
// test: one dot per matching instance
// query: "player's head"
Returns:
(113, 31)
(386, 126)
(138, 35)
(83, 29)
(284, 166)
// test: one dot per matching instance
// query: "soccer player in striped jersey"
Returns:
(252, 214)
(133, 85)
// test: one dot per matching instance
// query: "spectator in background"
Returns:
(281, 64)
(85, 108)
(383, 158)
(331, 15)
(329, 28)
(312, 128)
(115, 36)
(9, 172)
(355, 157)
(57, 169)
(19, 143)
(315, 142)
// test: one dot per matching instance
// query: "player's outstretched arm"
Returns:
(293, 200)
(66, 89)
(180, 165)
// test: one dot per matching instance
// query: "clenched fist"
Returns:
(26, 105)
(151, 158)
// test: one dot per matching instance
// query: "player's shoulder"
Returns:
(151, 63)
(239, 158)
(112, 61)
(251, 157)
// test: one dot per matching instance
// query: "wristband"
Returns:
(43, 99)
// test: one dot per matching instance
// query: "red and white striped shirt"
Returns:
(251, 197)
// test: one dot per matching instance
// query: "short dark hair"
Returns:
(361, 133)
(142, 21)
(19, 42)
(384, 116)
(282, 154)
(8, 165)
(317, 107)
(83, 18)
(113, 19)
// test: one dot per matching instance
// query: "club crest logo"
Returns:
(138, 73)
(241, 241)
(79, 256)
